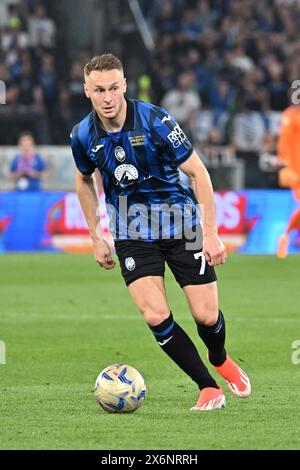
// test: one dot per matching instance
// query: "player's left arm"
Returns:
(213, 248)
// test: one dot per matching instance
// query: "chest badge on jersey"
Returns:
(120, 154)
(126, 173)
(130, 264)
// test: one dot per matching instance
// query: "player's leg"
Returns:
(142, 267)
(198, 281)
(204, 306)
(148, 293)
(203, 303)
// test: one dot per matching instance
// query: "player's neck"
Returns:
(117, 123)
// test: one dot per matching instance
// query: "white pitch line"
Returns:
(187, 318)
(78, 317)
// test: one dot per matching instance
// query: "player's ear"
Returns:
(86, 91)
(125, 85)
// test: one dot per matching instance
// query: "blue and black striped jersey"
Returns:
(139, 167)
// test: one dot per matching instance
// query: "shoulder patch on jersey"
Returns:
(177, 137)
(166, 118)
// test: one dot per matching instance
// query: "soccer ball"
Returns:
(120, 389)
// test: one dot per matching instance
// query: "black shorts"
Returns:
(139, 259)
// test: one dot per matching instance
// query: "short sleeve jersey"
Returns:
(139, 167)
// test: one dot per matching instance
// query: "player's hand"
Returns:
(214, 250)
(103, 254)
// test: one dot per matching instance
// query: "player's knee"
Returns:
(155, 316)
(206, 315)
(210, 321)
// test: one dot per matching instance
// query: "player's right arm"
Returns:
(88, 198)
(87, 194)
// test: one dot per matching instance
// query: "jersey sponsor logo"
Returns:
(126, 173)
(120, 154)
(137, 140)
(130, 263)
(97, 148)
(166, 118)
(177, 137)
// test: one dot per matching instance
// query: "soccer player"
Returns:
(138, 148)
(289, 176)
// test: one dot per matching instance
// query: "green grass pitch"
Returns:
(63, 319)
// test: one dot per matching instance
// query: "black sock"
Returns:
(214, 339)
(179, 347)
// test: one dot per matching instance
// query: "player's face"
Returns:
(106, 91)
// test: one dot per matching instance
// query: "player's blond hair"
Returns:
(103, 62)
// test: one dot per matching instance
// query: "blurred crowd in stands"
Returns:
(39, 97)
(223, 68)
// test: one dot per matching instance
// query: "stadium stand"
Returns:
(237, 59)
